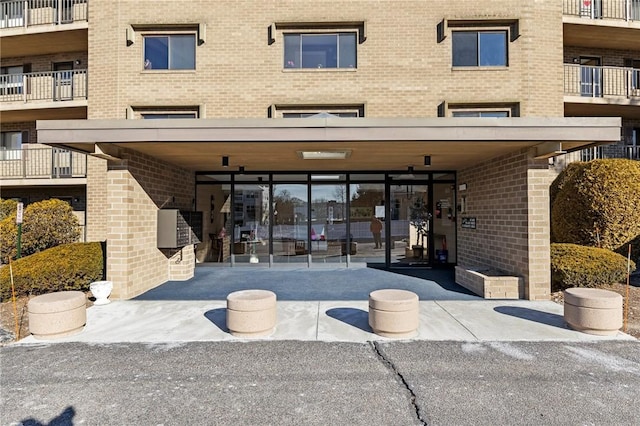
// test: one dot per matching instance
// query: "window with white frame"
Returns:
(484, 110)
(169, 51)
(296, 111)
(320, 50)
(480, 48)
(11, 145)
(163, 112)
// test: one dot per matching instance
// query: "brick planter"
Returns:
(490, 283)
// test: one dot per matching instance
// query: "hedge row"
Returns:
(579, 266)
(65, 267)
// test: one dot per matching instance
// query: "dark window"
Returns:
(480, 114)
(170, 52)
(479, 48)
(320, 50)
(165, 116)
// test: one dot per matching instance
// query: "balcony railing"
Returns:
(26, 13)
(597, 82)
(50, 85)
(627, 10)
(631, 152)
(42, 162)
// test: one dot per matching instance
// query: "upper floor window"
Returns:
(479, 48)
(322, 50)
(353, 114)
(152, 116)
(483, 110)
(316, 111)
(480, 114)
(170, 52)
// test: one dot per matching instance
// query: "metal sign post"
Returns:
(19, 222)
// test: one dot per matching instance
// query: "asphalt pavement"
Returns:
(320, 383)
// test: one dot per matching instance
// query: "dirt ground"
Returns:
(8, 321)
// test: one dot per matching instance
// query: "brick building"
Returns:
(277, 130)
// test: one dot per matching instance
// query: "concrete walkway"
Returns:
(324, 305)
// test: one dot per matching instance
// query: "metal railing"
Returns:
(42, 162)
(597, 82)
(26, 13)
(630, 152)
(49, 85)
(627, 10)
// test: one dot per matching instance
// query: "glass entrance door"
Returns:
(290, 223)
(411, 225)
(328, 222)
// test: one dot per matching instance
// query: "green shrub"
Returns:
(597, 203)
(45, 224)
(580, 266)
(65, 267)
(7, 208)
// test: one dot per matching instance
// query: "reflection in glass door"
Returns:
(444, 223)
(328, 222)
(411, 222)
(366, 227)
(290, 223)
(251, 223)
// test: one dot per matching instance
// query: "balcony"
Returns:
(607, 24)
(43, 27)
(600, 81)
(631, 152)
(625, 10)
(601, 91)
(41, 162)
(42, 95)
(27, 13)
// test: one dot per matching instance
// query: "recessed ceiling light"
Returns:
(324, 155)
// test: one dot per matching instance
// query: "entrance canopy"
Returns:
(344, 144)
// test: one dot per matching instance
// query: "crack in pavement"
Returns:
(376, 348)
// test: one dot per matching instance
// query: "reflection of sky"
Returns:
(326, 192)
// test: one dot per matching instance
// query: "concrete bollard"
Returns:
(58, 314)
(251, 313)
(593, 311)
(393, 313)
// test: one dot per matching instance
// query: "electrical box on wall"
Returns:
(178, 228)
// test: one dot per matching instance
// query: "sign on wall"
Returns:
(468, 222)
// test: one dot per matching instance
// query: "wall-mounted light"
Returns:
(410, 169)
(78, 61)
(241, 169)
(225, 161)
(427, 160)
